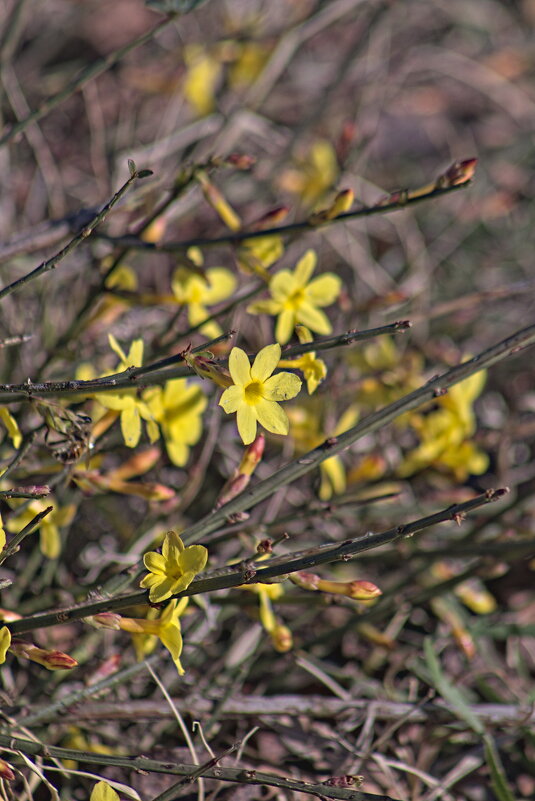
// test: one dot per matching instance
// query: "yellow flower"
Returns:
(202, 76)
(314, 370)
(314, 173)
(172, 570)
(103, 792)
(445, 434)
(49, 537)
(196, 292)
(5, 642)
(178, 408)
(166, 628)
(255, 393)
(281, 636)
(296, 299)
(127, 402)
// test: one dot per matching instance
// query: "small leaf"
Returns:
(132, 167)
(144, 173)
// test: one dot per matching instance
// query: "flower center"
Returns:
(295, 299)
(253, 392)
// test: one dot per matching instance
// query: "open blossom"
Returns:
(314, 370)
(297, 299)
(255, 393)
(131, 407)
(196, 291)
(178, 408)
(166, 628)
(172, 570)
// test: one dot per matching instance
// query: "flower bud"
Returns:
(6, 771)
(104, 620)
(51, 660)
(282, 639)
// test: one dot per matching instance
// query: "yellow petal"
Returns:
(285, 326)
(272, 417)
(305, 267)
(221, 284)
(49, 540)
(5, 642)
(281, 387)
(239, 366)
(313, 318)
(135, 354)
(246, 419)
(103, 792)
(324, 289)
(265, 307)
(194, 558)
(116, 348)
(131, 426)
(155, 562)
(11, 425)
(172, 548)
(265, 362)
(231, 399)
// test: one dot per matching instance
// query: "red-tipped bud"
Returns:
(252, 456)
(307, 581)
(6, 771)
(271, 218)
(242, 475)
(241, 161)
(459, 173)
(154, 231)
(342, 203)
(104, 620)
(206, 367)
(52, 660)
(7, 616)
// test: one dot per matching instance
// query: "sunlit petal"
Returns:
(272, 417)
(265, 362)
(239, 366)
(246, 419)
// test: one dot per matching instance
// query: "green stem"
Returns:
(140, 763)
(373, 422)
(404, 200)
(161, 371)
(250, 572)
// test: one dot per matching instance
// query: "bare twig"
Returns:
(88, 229)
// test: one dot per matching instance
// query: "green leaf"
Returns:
(497, 772)
(450, 693)
(132, 167)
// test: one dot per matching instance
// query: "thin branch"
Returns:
(250, 572)
(139, 763)
(14, 544)
(163, 370)
(86, 231)
(92, 71)
(403, 200)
